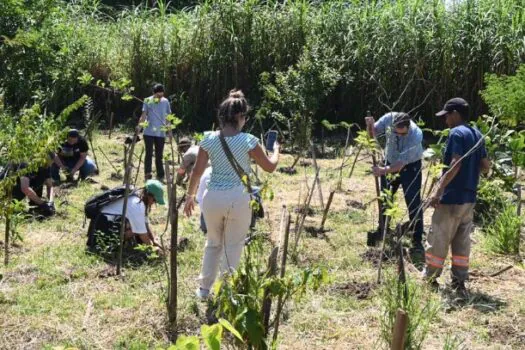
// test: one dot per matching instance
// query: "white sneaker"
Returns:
(202, 294)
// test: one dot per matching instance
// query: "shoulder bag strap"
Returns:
(235, 165)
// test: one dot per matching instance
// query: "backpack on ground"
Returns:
(95, 204)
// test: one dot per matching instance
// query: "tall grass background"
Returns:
(201, 52)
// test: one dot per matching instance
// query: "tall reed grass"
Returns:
(201, 52)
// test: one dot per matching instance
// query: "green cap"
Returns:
(155, 188)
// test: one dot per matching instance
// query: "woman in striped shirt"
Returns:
(226, 203)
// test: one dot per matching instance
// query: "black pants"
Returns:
(410, 179)
(159, 151)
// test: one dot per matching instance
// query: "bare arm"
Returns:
(262, 160)
(80, 162)
(485, 165)
(29, 192)
(58, 161)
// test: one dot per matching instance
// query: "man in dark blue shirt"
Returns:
(465, 158)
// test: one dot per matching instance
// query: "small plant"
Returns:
(503, 235)
(240, 296)
(491, 201)
(419, 305)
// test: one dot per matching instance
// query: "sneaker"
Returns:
(202, 294)
(417, 254)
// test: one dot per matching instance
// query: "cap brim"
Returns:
(160, 201)
(441, 113)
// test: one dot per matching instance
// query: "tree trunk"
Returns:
(127, 176)
(172, 298)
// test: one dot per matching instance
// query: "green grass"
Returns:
(55, 294)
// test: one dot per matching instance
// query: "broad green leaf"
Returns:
(229, 327)
(186, 343)
(212, 336)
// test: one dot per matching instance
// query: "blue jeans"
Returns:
(410, 178)
(85, 170)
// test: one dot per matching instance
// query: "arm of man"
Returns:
(80, 162)
(58, 161)
(29, 192)
(485, 165)
(450, 174)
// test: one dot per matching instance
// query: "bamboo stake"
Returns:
(399, 331)
(340, 182)
(284, 255)
(107, 158)
(355, 161)
(325, 214)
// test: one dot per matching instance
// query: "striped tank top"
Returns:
(223, 176)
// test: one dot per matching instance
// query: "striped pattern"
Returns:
(434, 261)
(223, 177)
(458, 260)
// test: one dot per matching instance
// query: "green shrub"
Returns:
(503, 235)
(421, 308)
(491, 201)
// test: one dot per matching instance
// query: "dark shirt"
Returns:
(69, 152)
(36, 181)
(463, 188)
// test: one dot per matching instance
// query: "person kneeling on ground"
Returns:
(31, 185)
(404, 151)
(465, 157)
(137, 227)
(72, 157)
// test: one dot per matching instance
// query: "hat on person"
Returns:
(73, 133)
(400, 118)
(185, 141)
(154, 187)
(454, 104)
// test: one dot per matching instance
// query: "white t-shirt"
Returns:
(135, 213)
(203, 185)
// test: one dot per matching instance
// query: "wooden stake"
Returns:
(326, 210)
(267, 301)
(284, 255)
(399, 331)
(355, 161)
(6, 240)
(138, 168)
(319, 189)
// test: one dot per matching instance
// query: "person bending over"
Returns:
(72, 157)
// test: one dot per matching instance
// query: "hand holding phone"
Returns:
(271, 140)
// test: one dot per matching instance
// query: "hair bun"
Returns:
(236, 94)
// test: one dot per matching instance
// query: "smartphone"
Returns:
(270, 140)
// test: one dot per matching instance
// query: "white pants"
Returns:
(228, 216)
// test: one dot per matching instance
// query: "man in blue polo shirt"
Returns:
(403, 153)
(455, 197)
